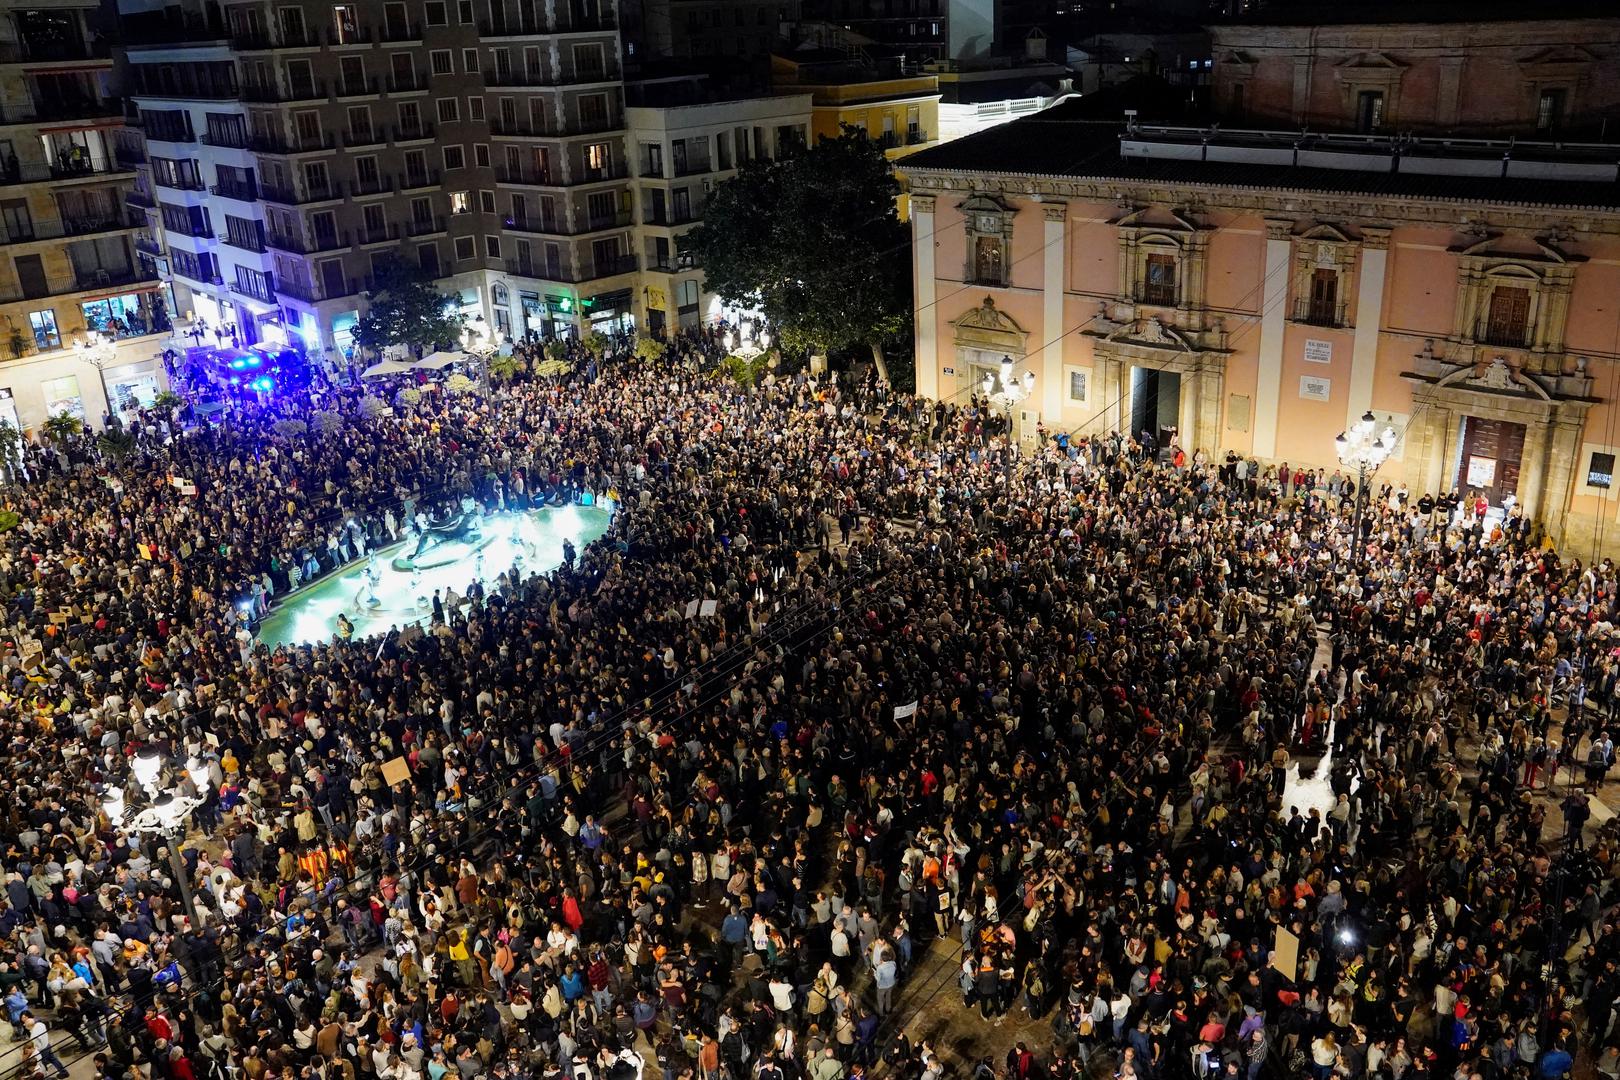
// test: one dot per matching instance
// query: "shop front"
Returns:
(132, 387)
(611, 313)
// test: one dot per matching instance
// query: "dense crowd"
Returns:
(970, 728)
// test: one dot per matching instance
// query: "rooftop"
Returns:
(1371, 12)
(1064, 142)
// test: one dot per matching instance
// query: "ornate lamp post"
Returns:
(1363, 450)
(1007, 391)
(164, 819)
(480, 343)
(98, 350)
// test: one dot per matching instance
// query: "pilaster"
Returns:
(1273, 325)
(1369, 321)
(926, 319)
(1055, 255)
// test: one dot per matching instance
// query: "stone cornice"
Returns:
(1341, 205)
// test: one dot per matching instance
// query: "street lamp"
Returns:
(164, 819)
(1012, 391)
(478, 342)
(98, 350)
(1364, 449)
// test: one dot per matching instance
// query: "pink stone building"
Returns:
(1258, 290)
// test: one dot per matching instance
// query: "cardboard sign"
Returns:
(709, 608)
(903, 711)
(395, 772)
(691, 609)
(1285, 954)
(185, 549)
(146, 552)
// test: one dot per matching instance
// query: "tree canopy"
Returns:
(815, 242)
(407, 309)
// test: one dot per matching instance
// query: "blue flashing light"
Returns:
(263, 384)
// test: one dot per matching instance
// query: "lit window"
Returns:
(460, 202)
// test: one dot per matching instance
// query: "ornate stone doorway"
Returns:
(1492, 453)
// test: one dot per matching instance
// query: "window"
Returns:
(492, 246)
(375, 219)
(593, 111)
(46, 336)
(988, 265)
(1600, 473)
(1323, 308)
(359, 124)
(435, 13)
(475, 108)
(351, 76)
(1509, 316)
(1369, 110)
(227, 130)
(307, 127)
(464, 13)
(1549, 110)
(469, 61)
(464, 247)
(589, 64)
(316, 180)
(345, 23)
(486, 201)
(460, 202)
(481, 155)
(1159, 282)
(455, 157)
(597, 157)
(449, 110)
(686, 295)
(443, 62)
(427, 257)
(366, 174)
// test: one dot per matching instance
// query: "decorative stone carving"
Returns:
(987, 327)
(1496, 376)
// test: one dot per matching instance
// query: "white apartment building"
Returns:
(681, 152)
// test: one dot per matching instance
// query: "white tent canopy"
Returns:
(431, 362)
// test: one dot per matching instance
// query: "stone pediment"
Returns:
(1152, 333)
(1540, 249)
(988, 327)
(1556, 59)
(1495, 377)
(1370, 61)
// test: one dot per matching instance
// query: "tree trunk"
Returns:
(879, 362)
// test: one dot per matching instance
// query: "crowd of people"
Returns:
(980, 745)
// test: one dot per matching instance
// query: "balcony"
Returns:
(548, 226)
(414, 133)
(300, 246)
(538, 81)
(128, 155)
(1503, 335)
(197, 274)
(282, 146)
(34, 174)
(523, 129)
(45, 52)
(916, 137)
(313, 293)
(288, 196)
(179, 183)
(388, 234)
(28, 232)
(263, 93)
(537, 178)
(589, 270)
(379, 185)
(415, 181)
(355, 140)
(514, 28)
(141, 199)
(232, 189)
(254, 244)
(425, 227)
(82, 281)
(1156, 295)
(398, 32)
(230, 140)
(148, 246)
(68, 109)
(407, 84)
(1318, 312)
(667, 217)
(256, 290)
(693, 168)
(347, 88)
